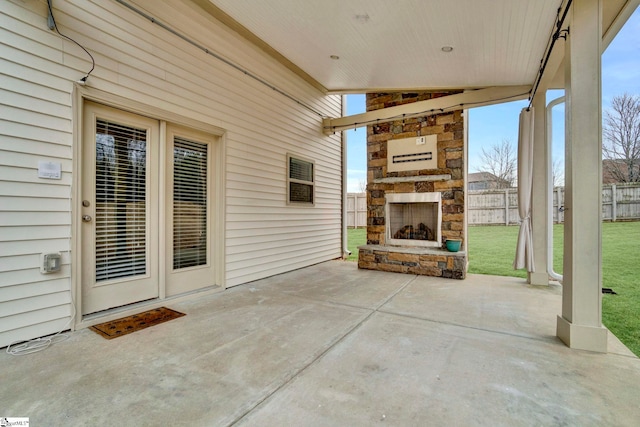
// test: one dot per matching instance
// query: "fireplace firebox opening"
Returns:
(413, 219)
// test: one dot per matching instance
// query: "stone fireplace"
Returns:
(415, 191)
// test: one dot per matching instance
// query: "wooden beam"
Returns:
(458, 101)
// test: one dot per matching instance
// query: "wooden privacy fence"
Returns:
(620, 202)
(486, 207)
(356, 210)
(493, 206)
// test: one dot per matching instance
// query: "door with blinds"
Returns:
(119, 210)
(188, 255)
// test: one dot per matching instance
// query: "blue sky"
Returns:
(489, 125)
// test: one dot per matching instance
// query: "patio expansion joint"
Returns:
(323, 301)
(549, 339)
(631, 355)
(330, 347)
(241, 337)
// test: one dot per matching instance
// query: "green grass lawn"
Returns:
(357, 237)
(621, 272)
(492, 250)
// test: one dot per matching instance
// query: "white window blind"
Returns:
(189, 203)
(121, 191)
(301, 182)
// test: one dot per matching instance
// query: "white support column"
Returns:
(539, 199)
(580, 325)
(345, 214)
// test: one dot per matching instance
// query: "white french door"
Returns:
(125, 222)
(119, 261)
(188, 258)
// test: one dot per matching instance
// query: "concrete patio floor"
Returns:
(333, 345)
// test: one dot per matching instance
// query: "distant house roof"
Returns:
(614, 169)
(485, 181)
(481, 176)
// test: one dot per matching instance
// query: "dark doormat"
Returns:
(136, 322)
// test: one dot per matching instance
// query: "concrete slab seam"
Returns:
(323, 353)
(529, 337)
(241, 337)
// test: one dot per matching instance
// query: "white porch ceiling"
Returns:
(396, 45)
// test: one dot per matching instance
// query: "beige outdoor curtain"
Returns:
(524, 250)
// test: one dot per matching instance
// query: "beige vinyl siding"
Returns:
(137, 60)
(35, 125)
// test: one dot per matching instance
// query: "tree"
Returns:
(557, 173)
(621, 139)
(362, 186)
(500, 160)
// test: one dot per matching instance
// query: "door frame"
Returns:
(83, 93)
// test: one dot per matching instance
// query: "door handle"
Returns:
(86, 218)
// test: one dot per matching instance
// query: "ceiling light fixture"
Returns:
(446, 49)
